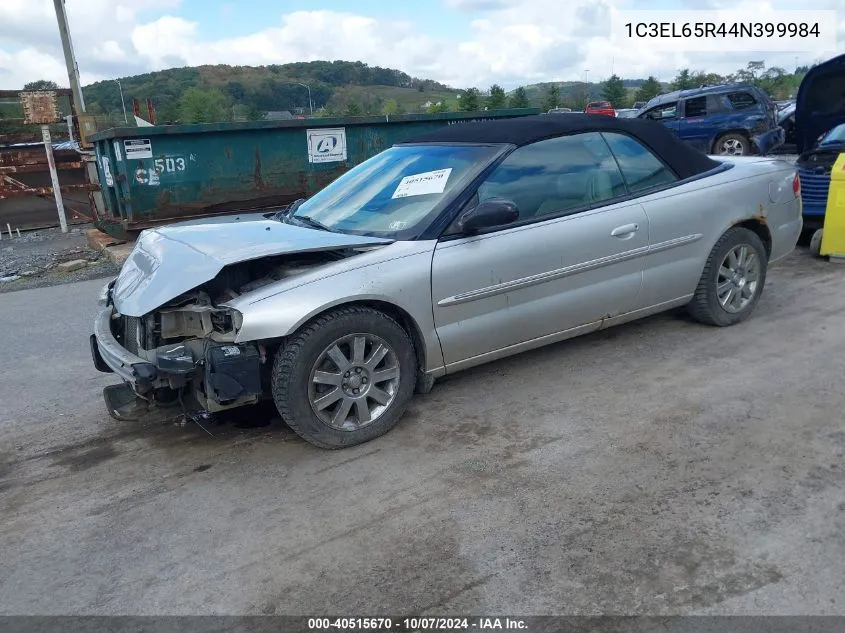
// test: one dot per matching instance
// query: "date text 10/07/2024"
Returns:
(416, 624)
(723, 30)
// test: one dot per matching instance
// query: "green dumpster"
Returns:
(160, 174)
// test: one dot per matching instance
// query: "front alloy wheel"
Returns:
(346, 377)
(354, 381)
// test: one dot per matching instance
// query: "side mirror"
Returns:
(487, 214)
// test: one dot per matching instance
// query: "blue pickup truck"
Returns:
(729, 120)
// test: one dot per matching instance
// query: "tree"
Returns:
(497, 99)
(552, 98)
(168, 112)
(710, 79)
(41, 84)
(353, 109)
(435, 108)
(254, 113)
(203, 106)
(519, 98)
(470, 100)
(684, 80)
(649, 90)
(391, 107)
(235, 90)
(613, 90)
(776, 82)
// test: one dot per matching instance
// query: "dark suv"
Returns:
(732, 120)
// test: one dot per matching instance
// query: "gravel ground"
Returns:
(30, 261)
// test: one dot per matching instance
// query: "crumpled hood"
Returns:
(171, 260)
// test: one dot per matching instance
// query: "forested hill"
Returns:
(267, 88)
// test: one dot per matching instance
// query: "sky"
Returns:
(461, 43)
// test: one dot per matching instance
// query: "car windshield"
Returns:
(836, 135)
(396, 193)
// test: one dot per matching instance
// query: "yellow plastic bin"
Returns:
(833, 233)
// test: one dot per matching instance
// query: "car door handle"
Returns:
(625, 231)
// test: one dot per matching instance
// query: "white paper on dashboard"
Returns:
(421, 184)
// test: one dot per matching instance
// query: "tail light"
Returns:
(796, 185)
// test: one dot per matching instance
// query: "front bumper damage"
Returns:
(201, 374)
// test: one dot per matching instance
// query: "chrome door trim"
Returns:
(674, 243)
(559, 273)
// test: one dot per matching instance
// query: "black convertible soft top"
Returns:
(683, 159)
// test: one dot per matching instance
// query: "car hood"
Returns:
(820, 104)
(169, 261)
(820, 159)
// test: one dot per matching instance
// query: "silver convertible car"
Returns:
(463, 246)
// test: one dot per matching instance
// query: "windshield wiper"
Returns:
(288, 210)
(312, 223)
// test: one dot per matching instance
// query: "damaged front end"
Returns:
(164, 327)
(183, 353)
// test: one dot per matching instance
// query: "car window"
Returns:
(663, 112)
(836, 135)
(556, 175)
(741, 100)
(640, 167)
(716, 104)
(695, 107)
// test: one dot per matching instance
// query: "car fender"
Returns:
(402, 284)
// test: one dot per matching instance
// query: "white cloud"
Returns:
(36, 65)
(515, 42)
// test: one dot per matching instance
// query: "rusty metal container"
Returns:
(26, 194)
(160, 174)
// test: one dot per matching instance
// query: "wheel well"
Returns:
(762, 231)
(399, 315)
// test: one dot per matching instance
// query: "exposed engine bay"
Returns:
(189, 341)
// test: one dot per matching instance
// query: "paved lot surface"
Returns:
(659, 467)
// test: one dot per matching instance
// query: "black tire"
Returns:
(291, 375)
(705, 306)
(816, 243)
(734, 139)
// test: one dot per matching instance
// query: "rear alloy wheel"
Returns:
(733, 145)
(732, 280)
(346, 378)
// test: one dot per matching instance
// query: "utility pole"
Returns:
(310, 103)
(70, 60)
(123, 103)
(78, 99)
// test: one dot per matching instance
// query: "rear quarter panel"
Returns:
(702, 210)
